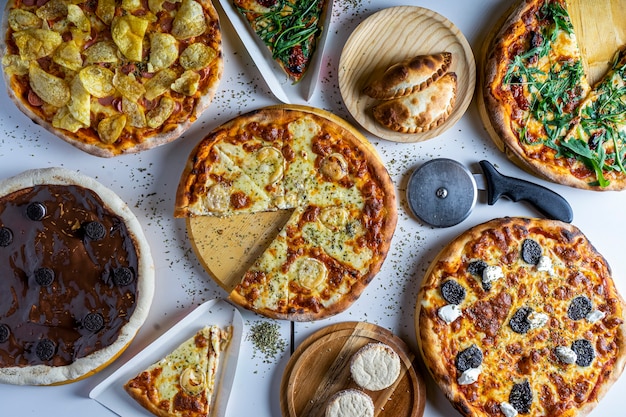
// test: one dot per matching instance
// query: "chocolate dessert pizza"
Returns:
(521, 316)
(112, 77)
(77, 277)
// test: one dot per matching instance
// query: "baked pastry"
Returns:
(343, 201)
(421, 111)
(183, 383)
(348, 403)
(409, 76)
(521, 315)
(375, 366)
(78, 274)
(112, 77)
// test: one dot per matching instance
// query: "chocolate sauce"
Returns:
(82, 271)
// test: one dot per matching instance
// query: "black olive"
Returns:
(36, 211)
(531, 251)
(5, 332)
(45, 349)
(93, 322)
(476, 268)
(579, 308)
(521, 397)
(94, 230)
(6, 236)
(452, 292)
(469, 358)
(122, 276)
(584, 352)
(44, 276)
(519, 322)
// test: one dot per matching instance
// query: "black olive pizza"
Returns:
(521, 316)
(77, 277)
(341, 198)
(112, 77)
(545, 113)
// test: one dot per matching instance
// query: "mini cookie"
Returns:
(375, 366)
(350, 403)
(420, 111)
(409, 76)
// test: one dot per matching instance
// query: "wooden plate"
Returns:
(600, 30)
(227, 246)
(320, 367)
(390, 36)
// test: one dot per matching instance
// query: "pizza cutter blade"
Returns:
(443, 192)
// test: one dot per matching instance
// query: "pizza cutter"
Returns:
(443, 192)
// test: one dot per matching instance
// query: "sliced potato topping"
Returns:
(197, 56)
(128, 86)
(52, 90)
(76, 15)
(159, 84)
(101, 52)
(128, 32)
(163, 50)
(105, 10)
(63, 119)
(98, 81)
(187, 83)
(110, 128)
(189, 21)
(52, 10)
(80, 102)
(134, 113)
(131, 5)
(158, 115)
(68, 56)
(23, 19)
(14, 65)
(36, 43)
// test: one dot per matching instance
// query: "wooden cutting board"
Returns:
(320, 367)
(227, 246)
(600, 27)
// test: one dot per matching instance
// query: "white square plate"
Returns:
(110, 392)
(278, 82)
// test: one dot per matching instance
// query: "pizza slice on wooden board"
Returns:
(290, 29)
(182, 384)
(342, 205)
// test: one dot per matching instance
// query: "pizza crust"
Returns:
(83, 367)
(435, 337)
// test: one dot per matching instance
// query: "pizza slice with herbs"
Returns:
(182, 384)
(289, 28)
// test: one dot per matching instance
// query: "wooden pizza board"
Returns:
(320, 367)
(227, 246)
(600, 27)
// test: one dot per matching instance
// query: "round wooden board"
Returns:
(320, 367)
(600, 31)
(389, 36)
(227, 246)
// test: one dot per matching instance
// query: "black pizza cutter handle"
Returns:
(549, 203)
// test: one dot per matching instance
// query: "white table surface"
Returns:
(148, 181)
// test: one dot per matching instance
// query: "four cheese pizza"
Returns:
(77, 277)
(112, 77)
(543, 109)
(521, 316)
(183, 383)
(341, 196)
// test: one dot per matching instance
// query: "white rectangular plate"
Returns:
(110, 392)
(278, 82)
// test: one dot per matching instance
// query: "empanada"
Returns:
(409, 76)
(420, 111)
